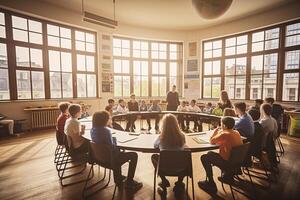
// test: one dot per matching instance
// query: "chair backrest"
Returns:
(102, 154)
(238, 155)
(174, 163)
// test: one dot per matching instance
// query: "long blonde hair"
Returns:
(171, 134)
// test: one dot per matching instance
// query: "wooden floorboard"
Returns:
(27, 171)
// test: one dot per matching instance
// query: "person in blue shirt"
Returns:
(101, 134)
(154, 108)
(245, 124)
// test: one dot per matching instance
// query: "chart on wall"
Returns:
(106, 64)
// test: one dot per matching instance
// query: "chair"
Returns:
(235, 162)
(71, 156)
(59, 150)
(174, 163)
(102, 155)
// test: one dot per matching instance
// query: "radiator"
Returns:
(44, 118)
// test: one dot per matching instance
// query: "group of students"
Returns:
(227, 135)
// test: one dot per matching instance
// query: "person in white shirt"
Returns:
(75, 130)
(181, 117)
(193, 108)
(268, 123)
(121, 108)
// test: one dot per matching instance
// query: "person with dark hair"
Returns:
(75, 130)
(245, 124)
(61, 120)
(100, 134)
(224, 100)
(154, 108)
(114, 124)
(268, 123)
(181, 117)
(172, 99)
(111, 103)
(258, 103)
(227, 138)
(193, 108)
(132, 106)
(208, 108)
(121, 108)
(277, 112)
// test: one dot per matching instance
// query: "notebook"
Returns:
(199, 140)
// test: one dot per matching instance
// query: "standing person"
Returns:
(277, 112)
(193, 108)
(8, 122)
(181, 118)
(227, 138)
(154, 108)
(75, 130)
(245, 124)
(225, 101)
(172, 99)
(171, 138)
(132, 106)
(61, 120)
(100, 134)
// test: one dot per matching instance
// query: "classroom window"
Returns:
(140, 72)
(236, 45)
(121, 47)
(4, 78)
(2, 25)
(59, 36)
(265, 40)
(292, 35)
(85, 41)
(213, 49)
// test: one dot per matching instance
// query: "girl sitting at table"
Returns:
(171, 138)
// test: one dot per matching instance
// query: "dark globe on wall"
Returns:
(211, 9)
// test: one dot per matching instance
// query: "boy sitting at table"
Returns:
(227, 138)
(100, 134)
(193, 108)
(75, 130)
(61, 120)
(182, 108)
(154, 108)
(208, 108)
(143, 107)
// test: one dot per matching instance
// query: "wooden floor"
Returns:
(27, 171)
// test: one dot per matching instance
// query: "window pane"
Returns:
(52, 30)
(90, 47)
(144, 68)
(270, 85)
(216, 87)
(65, 43)
(217, 44)
(36, 38)
(118, 86)
(91, 79)
(173, 47)
(240, 87)
(2, 18)
(136, 53)
(229, 86)
(292, 59)
(137, 85)
(35, 26)
(241, 66)
(270, 63)
(36, 58)
(155, 68)
(81, 62)
(53, 41)
(256, 87)
(230, 67)
(22, 56)
(259, 46)
(272, 34)
(162, 68)
(19, 22)
(23, 84)
(117, 66)
(2, 32)
(230, 42)
(54, 62)
(271, 44)
(4, 84)
(136, 68)
(117, 42)
(38, 87)
(259, 36)
(207, 68)
(81, 85)
(65, 32)
(125, 44)
(242, 39)
(155, 86)
(79, 35)
(117, 51)
(293, 29)
(207, 54)
(173, 69)
(90, 63)
(3, 55)
(229, 51)
(162, 86)
(256, 64)
(67, 85)
(80, 46)
(90, 37)
(55, 84)
(126, 86)
(125, 66)
(217, 53)
(292, 40)
(207, 46)
(144, 86)
(290, 87)
(216, 67)
(66, 62)
(20, 35)
(207, 88)
(173, 81)
(125, 52)
(241, 49)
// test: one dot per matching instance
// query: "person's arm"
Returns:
(168, 97)
(216, 130)
(217, 138)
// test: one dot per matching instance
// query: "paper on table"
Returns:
(122, 138)
(200, 140)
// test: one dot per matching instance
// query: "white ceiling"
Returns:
(166, 14)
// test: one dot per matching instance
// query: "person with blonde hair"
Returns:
(171, 138)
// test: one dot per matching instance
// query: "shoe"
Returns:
(164, 184)
(226, 179)
(162, 192)
(133, 185)
(178, 189)
(208, 186)
(149, 128)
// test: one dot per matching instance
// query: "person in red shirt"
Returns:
(226, 138)
(61, 120)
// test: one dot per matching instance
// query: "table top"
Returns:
(195, 142)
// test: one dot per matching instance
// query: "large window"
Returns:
(145, 68)
(251, 64)
(44, 58)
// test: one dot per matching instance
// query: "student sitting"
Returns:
(100, 134)
(277, 112)
(258, 103)
(143, 107)
(111, 103)
(182, 108)
(121, 108)
(193, 108)
(8, 122)
(156, 108)
(114, 124)
(132, 106)
(208, 108)
(227, 138)
(268, 123)
(75, 131)
(229, 112)
(256, 143)
(61, 120)
(245, 124)
(217, 110)
(170, 138)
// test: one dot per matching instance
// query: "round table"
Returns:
(195, 142)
